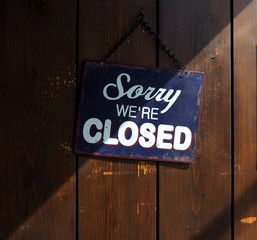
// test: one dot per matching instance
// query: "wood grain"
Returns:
(245, 98)
(195, 199)
(37, 116)
(117, 198)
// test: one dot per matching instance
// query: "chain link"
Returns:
(141, 21)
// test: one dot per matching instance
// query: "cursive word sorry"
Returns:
(161, 94)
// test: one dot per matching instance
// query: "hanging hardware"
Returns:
(141, 21)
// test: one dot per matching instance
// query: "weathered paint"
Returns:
(248, 220)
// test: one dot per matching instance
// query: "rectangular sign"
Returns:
(138, 113)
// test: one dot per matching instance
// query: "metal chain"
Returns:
(141, 21)
(131, 29)
(167, 49)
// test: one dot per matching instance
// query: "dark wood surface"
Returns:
(245, 57)
(37, 96)
(195, 202)
(117, 198)
(43, 43)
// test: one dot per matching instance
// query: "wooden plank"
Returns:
(245, 58)
(37, 111)
(195, 199)
(116, 197)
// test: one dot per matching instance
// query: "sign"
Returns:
(138, 113)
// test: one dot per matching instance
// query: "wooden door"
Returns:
(49, 193)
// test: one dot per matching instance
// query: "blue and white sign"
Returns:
(138, 113)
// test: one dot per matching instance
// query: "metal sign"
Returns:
(138, 113)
